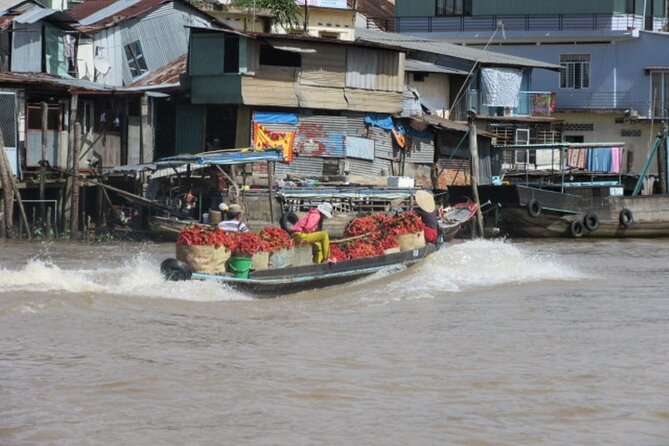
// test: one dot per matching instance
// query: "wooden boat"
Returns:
(273, 282)
(167, 228)
(452, 219)
(567, 202)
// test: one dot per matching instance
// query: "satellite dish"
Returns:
(101, 65)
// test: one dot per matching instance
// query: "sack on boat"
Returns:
(280, 258)
(260, 261)
(302, 255)
(411, 241)
(206, 259)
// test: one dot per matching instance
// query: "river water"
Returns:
(487, 343)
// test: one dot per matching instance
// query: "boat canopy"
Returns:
(223, 157)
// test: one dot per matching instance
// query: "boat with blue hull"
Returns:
(278, 281)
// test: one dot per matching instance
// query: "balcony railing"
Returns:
(530, 103)
(526, 23)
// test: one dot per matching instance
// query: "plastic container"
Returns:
(240, 266)
(205, 218)
(215, 217)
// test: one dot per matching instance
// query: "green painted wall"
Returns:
(415, 8)
(223, 89)
(207, 52)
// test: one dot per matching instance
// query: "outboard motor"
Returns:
(176, 270)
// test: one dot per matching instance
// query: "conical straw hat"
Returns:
(425, 200)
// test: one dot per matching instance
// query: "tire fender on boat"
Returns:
(534, 208)
(591, 221)
(626, 218)
(287, 220)
(576, 228)
(173, 269)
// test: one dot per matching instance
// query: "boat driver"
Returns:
(427, 211)
(310, 229)
(233, 221)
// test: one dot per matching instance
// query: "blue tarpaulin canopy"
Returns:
(222, 158)
(275, 118)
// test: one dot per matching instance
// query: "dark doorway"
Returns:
(166, 123)
(221, 127)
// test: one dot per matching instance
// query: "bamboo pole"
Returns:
(10, 185)
(74, 206)
(6, 190)
(270, 183)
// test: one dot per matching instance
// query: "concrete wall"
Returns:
(434, 91)
(606, 129)
(617, 78)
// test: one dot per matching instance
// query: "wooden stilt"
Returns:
(42, 169)
(74, 213)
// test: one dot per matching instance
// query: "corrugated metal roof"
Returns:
(87, 8)
(426, 67)
(222, 158)
(417, 44)
(36, 14)
(107, 11)
(45, 79)
(167, 75)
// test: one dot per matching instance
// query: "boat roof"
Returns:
(561, 145)
(226, 157)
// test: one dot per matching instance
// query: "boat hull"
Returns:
(516, 212)
(273, 282)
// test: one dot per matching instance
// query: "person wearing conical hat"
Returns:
(427, 211)
(310, 229)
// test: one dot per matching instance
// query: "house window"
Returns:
(454, 7)
(659, 93)
(279, 58)
(575, 72)
(419, 76)
(522, 138)
(135, 57)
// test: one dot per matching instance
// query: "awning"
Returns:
(222, 158)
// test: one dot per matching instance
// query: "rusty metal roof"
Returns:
(80, 11)
(167, 76)
(374, 8)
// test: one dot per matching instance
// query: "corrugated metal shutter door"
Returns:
(321, 136)
(8, 124)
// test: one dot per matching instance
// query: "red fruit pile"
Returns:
(380, 233)
(239, 243)
(275, 239)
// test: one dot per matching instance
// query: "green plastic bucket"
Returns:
(240, 266)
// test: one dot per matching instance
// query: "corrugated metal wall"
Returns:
(373, 69)
(321, 136)
(190, 128)
(163, 35)
(27, 47)
(301, 166)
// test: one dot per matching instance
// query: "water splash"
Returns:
(138, 277)
(482, 264)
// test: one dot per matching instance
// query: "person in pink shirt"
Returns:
(310, 229)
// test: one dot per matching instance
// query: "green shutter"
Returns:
(190, 129)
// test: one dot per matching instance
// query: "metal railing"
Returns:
(530, 103)
(543, 22)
